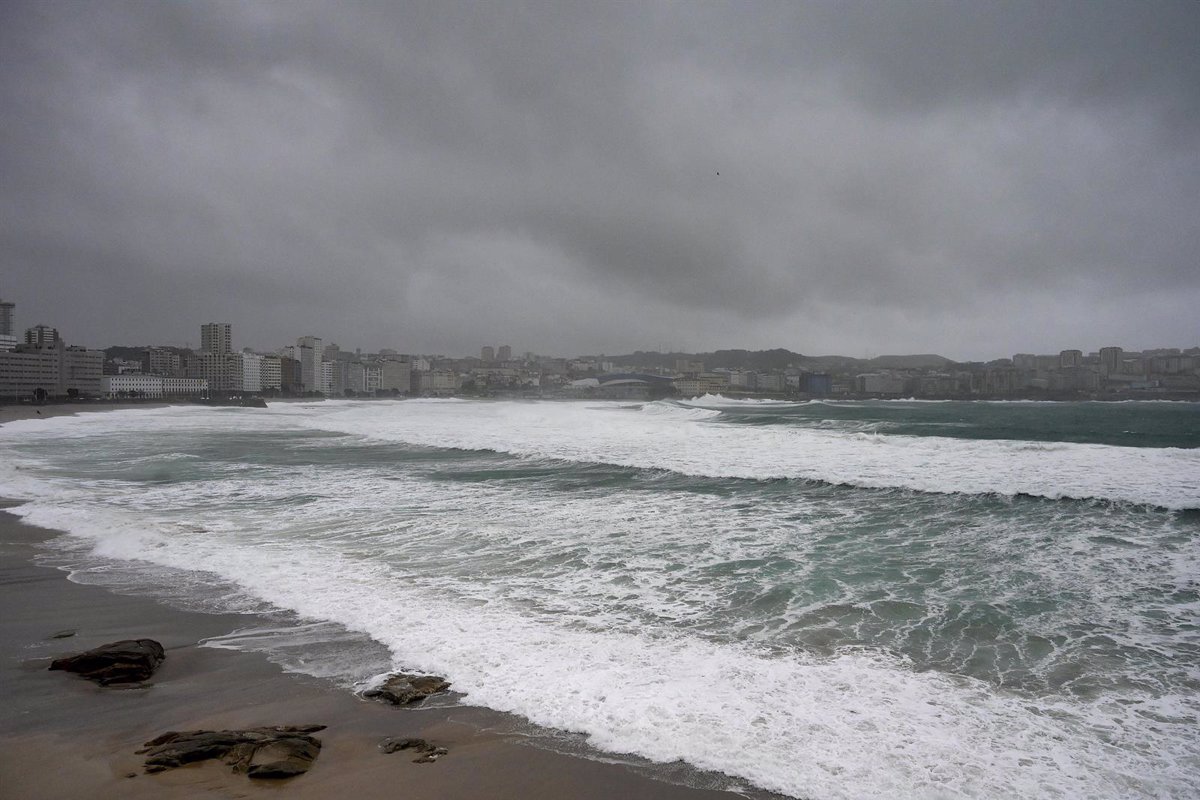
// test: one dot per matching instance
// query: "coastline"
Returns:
(11, 412)
(63, 737)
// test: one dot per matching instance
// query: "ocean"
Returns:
(826, 600)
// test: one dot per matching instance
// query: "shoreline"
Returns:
(11, 412)
(63, 737)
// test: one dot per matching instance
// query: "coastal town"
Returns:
(41, 365)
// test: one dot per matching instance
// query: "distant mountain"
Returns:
(922, 361)
(779, 358)
(750, 359)
(721, 359)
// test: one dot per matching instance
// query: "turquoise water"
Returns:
(822, 599)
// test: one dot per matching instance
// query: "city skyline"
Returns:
(223, 333)
(850, 177)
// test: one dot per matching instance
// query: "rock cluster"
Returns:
(427, 753)
(402, 688)
(275, 752)
(126, 661)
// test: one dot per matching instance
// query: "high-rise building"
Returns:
(244, 371)
(325, 384)
(271, 373)
(309, 352)
(505, 353)
(8, 339)
(1070, 358)
(289, 374)
(1111, 360)
(7, 314)
(487, 353)
(216, 338)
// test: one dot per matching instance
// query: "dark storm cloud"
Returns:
(972, 178)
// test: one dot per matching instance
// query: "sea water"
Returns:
(825, 600)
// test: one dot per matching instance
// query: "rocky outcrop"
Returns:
(402, 689)
(426, 752)
(127, 661)
(274, 752)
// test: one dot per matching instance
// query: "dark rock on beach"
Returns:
(427, 753)
(273, 752)
(127, 661)
(402, 689)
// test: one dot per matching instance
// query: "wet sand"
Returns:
(63, 737)
(11, 412)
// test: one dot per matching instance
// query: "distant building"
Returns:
(216, 337)
(50, 370)
(879, 383)
(325, 383)
(1070, 358)
(504, 353)
(8, 339)
(309, 352)
(816, 383)
(150, 386)
(7, 316)
(364, 378)
(487, 353)
(132, 385)
(743, 379)
(1111, 360)
(395, 376)
(1075, 379)
(184, 387)
(769, 382)
(289, 375)
(1024, 361)
(697, 384)
(159, 361)
(41, 337)
(437, 382)
(245, 371)
(270, 375)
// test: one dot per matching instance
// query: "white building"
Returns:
(250, 366)
(132, 384)
(440, 381)
(325, 382)
(184, 387)
(310, 351)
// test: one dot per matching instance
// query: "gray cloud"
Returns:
(970, 179)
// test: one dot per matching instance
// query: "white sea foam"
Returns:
(666, 436)
(574, 609)
(721, 401)
(859, 724)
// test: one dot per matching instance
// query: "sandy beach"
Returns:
(63, 737)
(10, 411)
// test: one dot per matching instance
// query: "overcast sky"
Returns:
(971, 178)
